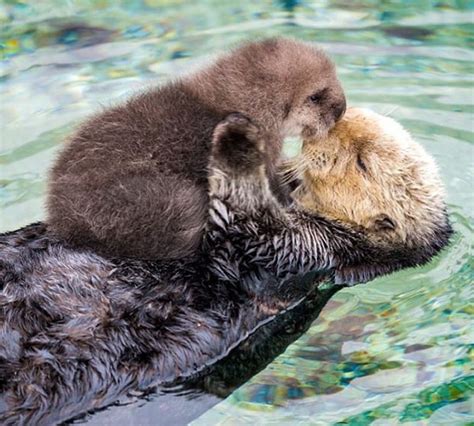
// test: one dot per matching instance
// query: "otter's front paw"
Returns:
(237, 145)
(360, 274)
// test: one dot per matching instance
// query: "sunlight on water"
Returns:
(397, 350)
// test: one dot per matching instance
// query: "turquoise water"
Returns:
(396, 351)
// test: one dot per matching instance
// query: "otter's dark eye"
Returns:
(317, 97)
(361, 164)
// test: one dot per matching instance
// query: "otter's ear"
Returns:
(382, 222)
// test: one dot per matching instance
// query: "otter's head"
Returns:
(371, 174)
(307, 93)
(287, 87)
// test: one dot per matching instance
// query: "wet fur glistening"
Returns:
(78, 329)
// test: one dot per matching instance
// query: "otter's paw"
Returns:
(237, 145)
(360, 274)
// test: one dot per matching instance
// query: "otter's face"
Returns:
(316, 108)
(371, 173)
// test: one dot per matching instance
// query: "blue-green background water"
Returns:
(398, 350)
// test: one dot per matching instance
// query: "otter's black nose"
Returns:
(339, 110)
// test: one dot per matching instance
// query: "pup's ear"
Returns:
(237, 145)
(383, 223)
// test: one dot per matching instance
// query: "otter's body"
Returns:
(132, 181)
(79, 330)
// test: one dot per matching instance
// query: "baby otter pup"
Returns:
(132, 180)
(370, 174)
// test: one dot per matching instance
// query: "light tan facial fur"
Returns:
(370, 172)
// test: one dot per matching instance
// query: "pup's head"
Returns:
(307, 92)
(285, 86)
(370, 173)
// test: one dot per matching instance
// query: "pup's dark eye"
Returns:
(317, 97)
(361, 164)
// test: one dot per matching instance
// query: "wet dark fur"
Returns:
(79, 330)
(132, 181)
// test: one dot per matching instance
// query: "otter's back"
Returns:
(132, 181)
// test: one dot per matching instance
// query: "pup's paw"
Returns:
(237, 145)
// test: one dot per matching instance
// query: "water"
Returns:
(397, 350)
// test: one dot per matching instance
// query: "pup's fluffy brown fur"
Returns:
(132, 181)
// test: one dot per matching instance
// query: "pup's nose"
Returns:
(339, 109)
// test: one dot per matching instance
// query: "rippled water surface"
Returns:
(397, 350)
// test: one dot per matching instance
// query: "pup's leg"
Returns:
(237, 167)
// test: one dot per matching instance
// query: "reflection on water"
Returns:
(396, 350)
